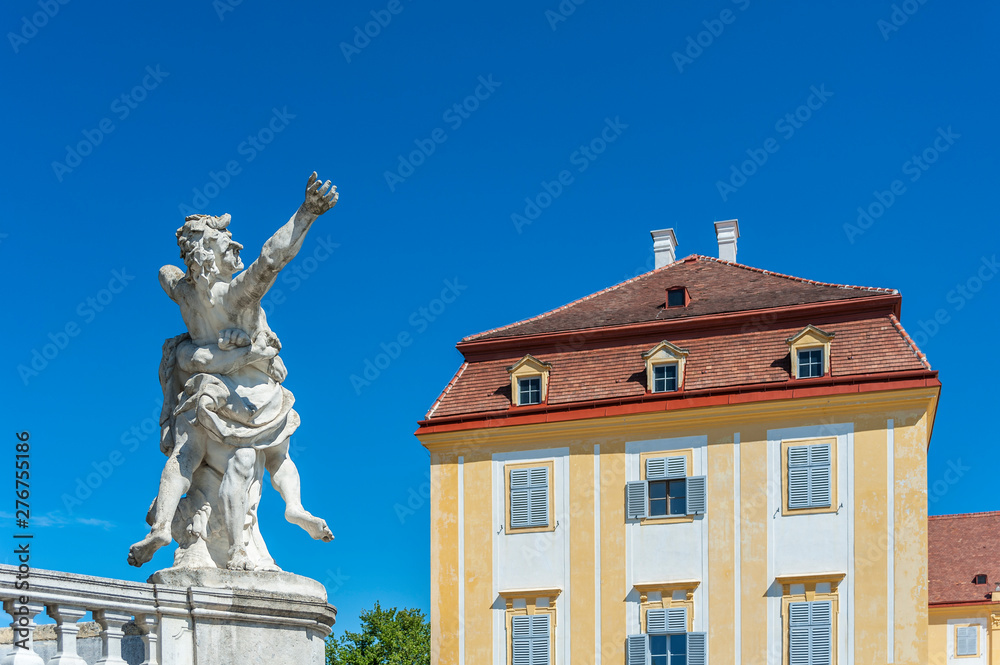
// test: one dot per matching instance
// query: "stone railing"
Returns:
(177, 625)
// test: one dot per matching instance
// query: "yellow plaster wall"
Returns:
(478, 557)
(581, 555)
(871, 540)
(613, 589)
(444, 559)
(753, 546)
(910, 546)
(721, 547)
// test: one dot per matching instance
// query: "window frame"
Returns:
(688, 455)
(667, 602)
(804, 588)
(975, 627)
(521, 390)
(676, 377)
(551, 526)
(530, 603)
(834, 476)
(811, 364)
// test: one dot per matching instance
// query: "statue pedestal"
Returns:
(242, 618)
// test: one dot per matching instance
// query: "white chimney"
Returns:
(727, 232)
(664, 246)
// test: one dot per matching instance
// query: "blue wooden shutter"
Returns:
(540, 640)
(677, 620)
(520, 630)
(697, 499)
(656, 468)
(676, 467)
(967, 638)
(538, 494)
(636, 499)
(661, 468)
(637, 647)
(798, 477)
(697, 649)
(820, 474)
(519, 498)
(799, 634)
(656, 621)
(530, 640)
(821, 642)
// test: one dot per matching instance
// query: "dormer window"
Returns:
(677, 296)
(665, 368)
(665, 378)
(810, 363)
(529, 391)
(979, 579)
(809, 352)
(529, 381)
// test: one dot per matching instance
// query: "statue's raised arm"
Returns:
(282, 247)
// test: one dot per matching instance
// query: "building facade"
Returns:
(964, 591)
(706, 463)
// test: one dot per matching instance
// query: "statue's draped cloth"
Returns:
(247, 409)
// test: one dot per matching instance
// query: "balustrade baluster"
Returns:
(23, 625)
(149, 627)
(66, 617)
(111, 623)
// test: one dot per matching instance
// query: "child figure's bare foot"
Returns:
(144, 550)
(313, 525)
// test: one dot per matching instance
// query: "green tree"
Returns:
(387, 637)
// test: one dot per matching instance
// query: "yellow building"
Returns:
(708, 463)
(964, 594)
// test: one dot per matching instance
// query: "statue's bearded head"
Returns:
(208, 249)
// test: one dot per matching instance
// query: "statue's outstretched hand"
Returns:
(320, 196)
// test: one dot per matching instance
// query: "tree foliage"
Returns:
(387, 637)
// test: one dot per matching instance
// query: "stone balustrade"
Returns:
(179, 624)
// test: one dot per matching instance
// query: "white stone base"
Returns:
(244, 618)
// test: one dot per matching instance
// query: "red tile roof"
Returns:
(595, 344)
(715, 287)
(867, 346)
(959, 548)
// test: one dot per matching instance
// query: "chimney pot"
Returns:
(664, 247)
(727, 233)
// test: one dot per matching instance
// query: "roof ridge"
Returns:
(687, 259)
(991, 513)
(909, 340)
(447, 388)
(469, 338)
(793, 277)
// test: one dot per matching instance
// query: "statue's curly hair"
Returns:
(200, 260)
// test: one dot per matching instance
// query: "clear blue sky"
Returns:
(218, 81)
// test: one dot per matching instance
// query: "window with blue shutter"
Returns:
(529, 497)
(810, 633)
(966, 641)
(667, 491)
(531, 640)
(667, 641)
(810, 475)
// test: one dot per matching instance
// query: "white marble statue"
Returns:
(226, 417)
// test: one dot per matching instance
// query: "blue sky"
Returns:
(123, 117)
